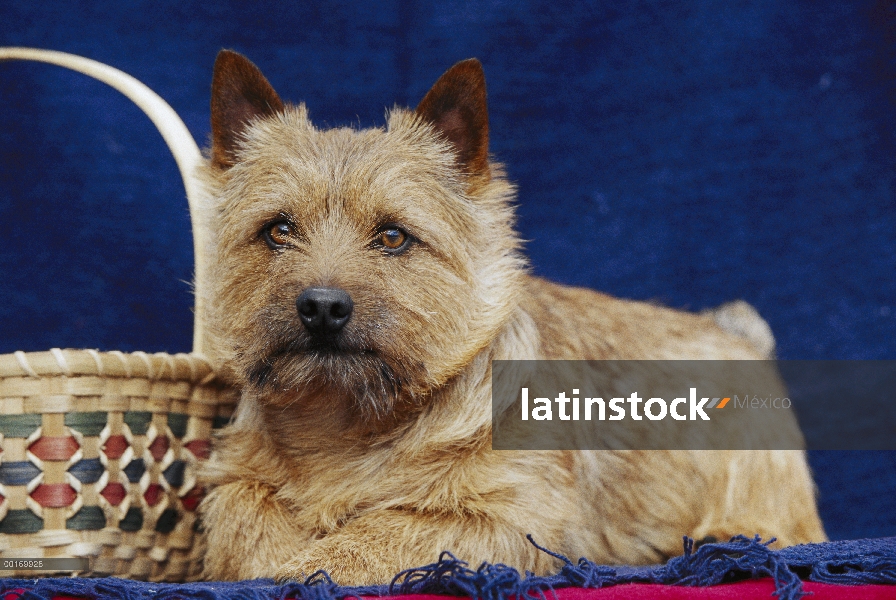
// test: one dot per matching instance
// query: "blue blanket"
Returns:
(689, 153)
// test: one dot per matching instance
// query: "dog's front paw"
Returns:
(346, 564)
(298, 569)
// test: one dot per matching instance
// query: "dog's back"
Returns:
(644, 500)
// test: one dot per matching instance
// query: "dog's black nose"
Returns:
(324, 310)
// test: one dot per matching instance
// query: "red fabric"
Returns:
(744, 590)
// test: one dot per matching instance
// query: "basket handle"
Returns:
(176, 135)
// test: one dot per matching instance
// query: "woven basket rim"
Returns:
(181, 366)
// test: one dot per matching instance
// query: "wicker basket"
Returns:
(99, 449)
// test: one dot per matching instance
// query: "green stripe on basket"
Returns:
(138, 421)
(177, 423)
(88, 423)
(19, 426)
(21, 521)
(89, 518)
(132, 521)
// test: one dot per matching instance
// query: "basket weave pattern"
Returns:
(98, 450)
(98, 458)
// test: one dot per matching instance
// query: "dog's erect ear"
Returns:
(240, 93)
(456, 106)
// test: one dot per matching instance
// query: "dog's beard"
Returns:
(339, 369)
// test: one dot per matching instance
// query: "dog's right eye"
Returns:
(277, 234)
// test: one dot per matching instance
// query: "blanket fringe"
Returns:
(710, 564)
(853, 562)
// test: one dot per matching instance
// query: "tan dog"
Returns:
(364, 282)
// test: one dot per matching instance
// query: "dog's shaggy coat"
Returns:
(370, 453)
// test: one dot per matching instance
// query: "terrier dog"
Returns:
(364, 281)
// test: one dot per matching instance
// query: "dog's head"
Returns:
(362, 267)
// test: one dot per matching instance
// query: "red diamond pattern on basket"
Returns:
(54, 495)
(54, 448)
(192, 498)
(115, 446)
(199, 448)
(153, 494)
(159, 447)
(114, 493)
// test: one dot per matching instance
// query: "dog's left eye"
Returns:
(393, 239)
(277, 234)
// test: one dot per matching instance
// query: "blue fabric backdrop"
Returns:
(684, 152)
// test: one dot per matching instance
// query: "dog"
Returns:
(363, 283)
